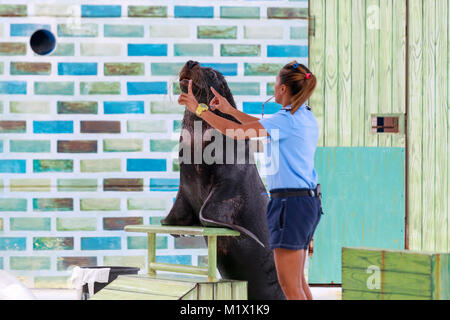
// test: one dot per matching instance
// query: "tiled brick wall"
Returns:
(89, 133)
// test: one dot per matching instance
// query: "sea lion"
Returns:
(225, 195)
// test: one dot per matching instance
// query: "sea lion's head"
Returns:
(203, 78)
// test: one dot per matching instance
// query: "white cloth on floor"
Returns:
(81, 276)
(12, 289)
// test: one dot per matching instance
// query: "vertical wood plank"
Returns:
(331, 66)
(316, 64)
(212, 258)
(415, 37)
(399, 65)
(151, 238)
(429, 123)
(441, 218)
(345, 70)
(372, 69)
(358, 75)
(385, 60)
(448, 128)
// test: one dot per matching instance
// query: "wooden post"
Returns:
(151, 253)
(212, 258)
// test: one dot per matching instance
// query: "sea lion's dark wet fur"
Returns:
(226, 195)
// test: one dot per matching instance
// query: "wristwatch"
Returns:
(200, 108)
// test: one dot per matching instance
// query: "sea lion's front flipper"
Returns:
(181, 213)
(217, 210)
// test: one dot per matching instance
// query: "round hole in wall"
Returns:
(42, 42)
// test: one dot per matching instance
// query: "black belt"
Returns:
(301, 192)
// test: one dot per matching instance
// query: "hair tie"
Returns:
(295, 65)
(308, 75)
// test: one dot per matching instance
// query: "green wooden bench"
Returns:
(377, 274)
(188, 282)
(211, 233)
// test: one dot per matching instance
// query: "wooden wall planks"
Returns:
(428, 127)
(360, 57)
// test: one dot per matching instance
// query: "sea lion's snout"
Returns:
(190, 64)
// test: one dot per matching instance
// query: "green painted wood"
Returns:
(415, 111)
(358, 53)
(206, 291)
(183, 230)
(442, 129)
(156, 266)
(151, 257)
(317, 65)
(153, 288)
(372, 69)
(391, 282)
(385, 79)
(222, 291)
(212, 258)
(428, 123)
(397, 272)
(344, 72)
(353, 212)
(399, 66)
(365, 295)
(391, 260)
(171, 287)
(239, 290)
(358, 72)
(441, 276)
(331, 74)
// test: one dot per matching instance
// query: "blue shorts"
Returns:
(292, 220)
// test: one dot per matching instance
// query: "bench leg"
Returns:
(212, 258)
(151, 253)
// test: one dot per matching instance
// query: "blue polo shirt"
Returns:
(290, 148)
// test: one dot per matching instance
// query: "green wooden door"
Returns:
(358, 53)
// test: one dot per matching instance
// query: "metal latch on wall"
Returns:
(387, 123)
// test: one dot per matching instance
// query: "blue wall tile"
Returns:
(13, 204)
(13, 87)
(256, 107)
(194, 12)
(95, 11)
(77, 68)
(146, 88)
(227, 69)
(178, 259)
(135, 31)
(100, 243)
(26, 29)
(287, 51)
(146, 165)
(162, 184)
(12, 166)
(138, 49)
(53, 126)
(10, 244)
(114, 107)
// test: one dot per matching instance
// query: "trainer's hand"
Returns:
(219, 102)
(188, 99)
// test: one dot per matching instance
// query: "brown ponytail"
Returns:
(300, 81)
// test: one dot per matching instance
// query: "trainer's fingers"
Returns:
(190, 87)
(215, 92)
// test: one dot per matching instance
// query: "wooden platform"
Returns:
(174, 286)
(377, 274)
(171, 287)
